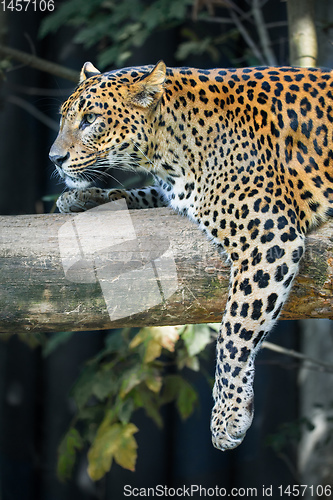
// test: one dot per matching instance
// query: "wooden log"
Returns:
(38, 291)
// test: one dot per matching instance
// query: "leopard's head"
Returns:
(107, 122)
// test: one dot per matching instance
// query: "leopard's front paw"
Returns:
(78, 200)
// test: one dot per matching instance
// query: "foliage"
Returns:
(119, 27)
(5, 65)
(289, 433)
(285, 441)
(135, 370)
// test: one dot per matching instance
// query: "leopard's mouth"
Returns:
(79, 181)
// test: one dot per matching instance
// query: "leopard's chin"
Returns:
(76, 183)
(71, 181)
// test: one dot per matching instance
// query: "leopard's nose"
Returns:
(58, 160)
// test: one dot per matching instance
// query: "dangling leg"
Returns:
(259, 287)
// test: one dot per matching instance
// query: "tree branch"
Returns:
(37, 295)
(325, 367)
(245, 34)
(265, 41)
(18, 101)
(38, 63)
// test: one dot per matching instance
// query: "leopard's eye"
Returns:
(87, 120)
(90, 118)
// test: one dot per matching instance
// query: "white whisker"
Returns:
(109, 158)
(143, 154)
(100, 174)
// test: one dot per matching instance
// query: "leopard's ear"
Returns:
(150, 88)
(88, 70)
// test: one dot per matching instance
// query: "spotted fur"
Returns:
(245, 153)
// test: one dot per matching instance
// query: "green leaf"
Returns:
(112, 441)
(154, 382)
(148, 400)
(196, 338)
(178, 389)
(178, 9)
(92, 414)
(153, 348)
(55, 340)
(129, 31)
(206, 45)
(113, 55)
(67, 453)
(82, 390)
(115, 342)
(95, 382)
(125, 410)
(154, 339)
(73, 12)
(192, 363)
(186, 400)
(170, 388)
(90, 34)
(104, 384)
(131, 380)
(125, 454)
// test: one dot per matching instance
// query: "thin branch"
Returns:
(263, 33)
(18, 101)
(243, 16)
(38, 63)
(40, 91)
(290, 352)
(277, 24)
(231, 5)
(245, 34)
(218, 20)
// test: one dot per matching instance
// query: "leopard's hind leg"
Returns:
(259, 286)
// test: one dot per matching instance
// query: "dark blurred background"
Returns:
(35, 406)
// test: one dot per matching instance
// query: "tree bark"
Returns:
(41, 291)
(303, 45)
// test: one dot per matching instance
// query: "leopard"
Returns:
(245, 153)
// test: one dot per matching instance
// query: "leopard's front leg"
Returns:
(259, 287)
(80, 200)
